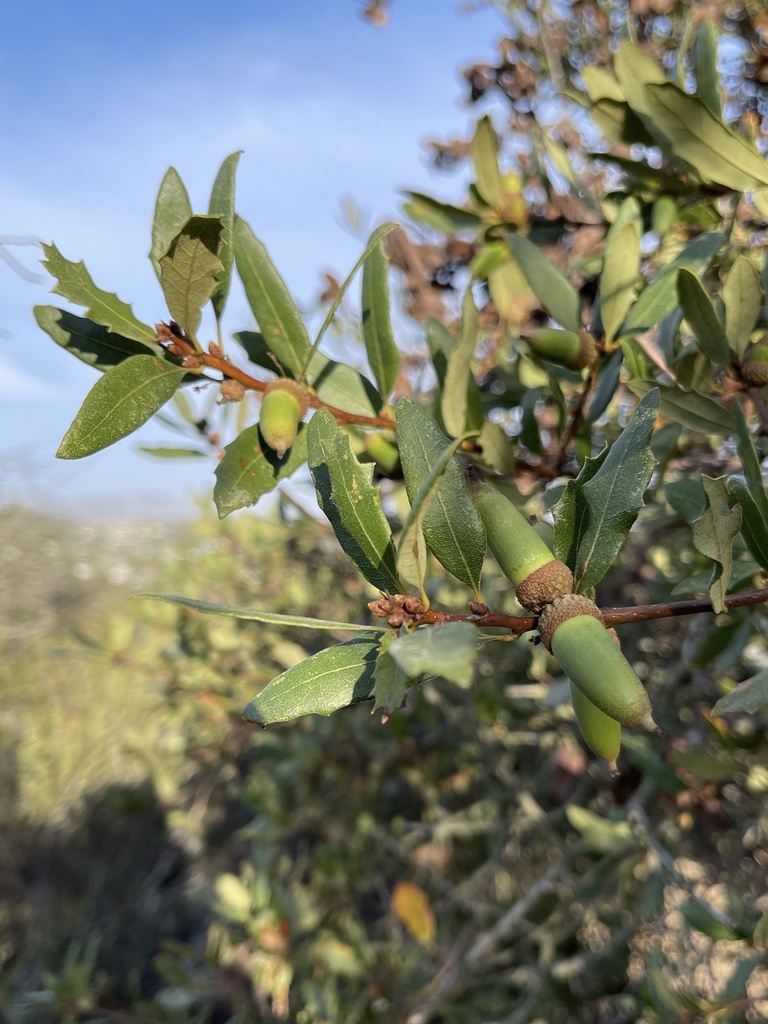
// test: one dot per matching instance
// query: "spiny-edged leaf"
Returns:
(75, 284)
(250, 469)
(190, 268)
(164, 452)
(172, 211)
(600, 834)
(255, 615)
(276, 313)
(695, 411)
(119, 403)
(351, 502)
(746, 698)
(659, 298)
(222, 204)
(376, 237)
(332, 679)
(452, 526)
(90, 342)
(700, 312)
(713, 535)
(556, 294)
(621, 267)
(342, 386)
(597, 510)
(742, 296)
(458, 372)
(750, 461)
(698, 137)
(754, 528)
(441, 216)
(391, 682)
(380, 342)
(704, 52)
(449, 650)
(411, 553)
(484, 149)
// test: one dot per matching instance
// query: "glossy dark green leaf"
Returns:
(483, 151)
(190, 269)
(250, 469)
(333, 679)
(621, 267)
(754, 528)
(172, 211)
(695, 135)
(597, 510)
(750, 461)
(449, 650)
(695, 411)
(742, 296)
(713, 534)
(747, 698)
(441, 216)
(454, 404)
(75, 284)
(222, 204)
(452, 526)
(94, 344)
(380, 344)
(700, 312)
(351, 502)
(556, 294)
(659, 298)
(276, 313)
(119, 403)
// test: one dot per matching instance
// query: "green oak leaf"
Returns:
(380, 344)
(713, 534)
(449, 650)
(91, 342)
(172, 211)
(190, 269)
(222, 205)
(250, 469)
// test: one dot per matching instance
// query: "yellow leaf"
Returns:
(411, 905)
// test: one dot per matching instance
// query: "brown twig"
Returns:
(576, 415)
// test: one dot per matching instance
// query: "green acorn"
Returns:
(600, 732)
(283, 406)
(566, 348)
(572, 629)
(754, 369)
(522, 555)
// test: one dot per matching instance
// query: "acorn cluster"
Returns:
(605, 690)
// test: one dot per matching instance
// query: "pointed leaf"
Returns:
(746, 698)
(449, 650)
(250, 469)
(90, 342)
(411, 554)
(351, 502)
(700, 312)
(254, 615)
(742, 296)
(688, 407)
(380, 342)
(484, 149)
(659, 298)
(621, 267)
(222, 204)
(454, 397)
(597, 510)
(700, 917)
(75, 284)
(189, 270)
(452, 526)
(556, 294)
(441, 216)
(713, 535)
(330, 680)
(754, 528)
(719, 155)
(276, 313)
(173, 453)
(172, 211)
(119, 403)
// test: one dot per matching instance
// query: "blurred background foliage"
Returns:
(160, 860)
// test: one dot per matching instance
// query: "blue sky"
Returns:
(98, 100)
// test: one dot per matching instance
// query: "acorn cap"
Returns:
(566, 607)
(754, 369)
(545, 585)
